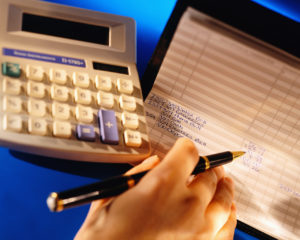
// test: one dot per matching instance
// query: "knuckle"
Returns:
(163, 179)
(193, 199)
(158, 183)
(187, 144)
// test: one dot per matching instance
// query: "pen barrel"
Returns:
(119, 184)
(92, 196)
(105, 184)
(78, 196)
(211, 161)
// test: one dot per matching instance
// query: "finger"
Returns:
(205, 184)
(178, 163)
(227, 231)
(98, 205)
(147, 164)
(219, 208)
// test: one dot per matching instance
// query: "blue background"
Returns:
(27, 180)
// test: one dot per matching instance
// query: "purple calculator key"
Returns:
(85, 133)
(108, 127)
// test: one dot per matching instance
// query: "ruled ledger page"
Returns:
(226, 91)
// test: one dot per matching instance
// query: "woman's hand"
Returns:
(167, 203)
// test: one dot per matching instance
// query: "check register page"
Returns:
(228, 92)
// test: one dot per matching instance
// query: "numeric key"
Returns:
(35, 73)
(37, 126)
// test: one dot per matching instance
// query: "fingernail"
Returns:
(190, 179)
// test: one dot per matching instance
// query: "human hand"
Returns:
(167, 203)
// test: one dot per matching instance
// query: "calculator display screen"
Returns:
(65, 29)
(110, 68)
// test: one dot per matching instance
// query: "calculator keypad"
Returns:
(60, 111)
(85, 132)
(58, 76)
(36, 89)
(59, 93)
(37, 126)
(62, 129)
(81, 79)
(108, 127)
(35, 73)
(12, 104)
(11, 86)
(125, 86)
(36, 108)
(132, 138)
(54, 102)
(103, 83)
(11, 69)
(12, 123)
(84, 114)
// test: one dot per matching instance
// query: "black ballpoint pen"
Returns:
(116, 185)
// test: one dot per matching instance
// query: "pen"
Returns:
(58, 201)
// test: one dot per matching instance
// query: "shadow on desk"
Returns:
(85, 169)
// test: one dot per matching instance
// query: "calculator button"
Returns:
(12, 104)
(83, 96)
(132, 138)
(11, 86)
(58, 76)
(105, 99)
(36, 108)
(59, 93)
(108, 127)
(84, 114)
(81, 79)
(11, 69)
(125, 85)
(127, 103)
(85, 133)
(35, 73)
(37, 126)
(62, 129)
(12, 123)
(103, 83)
(61, 111)
(130, 120)
(35, 89)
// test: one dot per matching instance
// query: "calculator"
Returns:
(69, 86)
